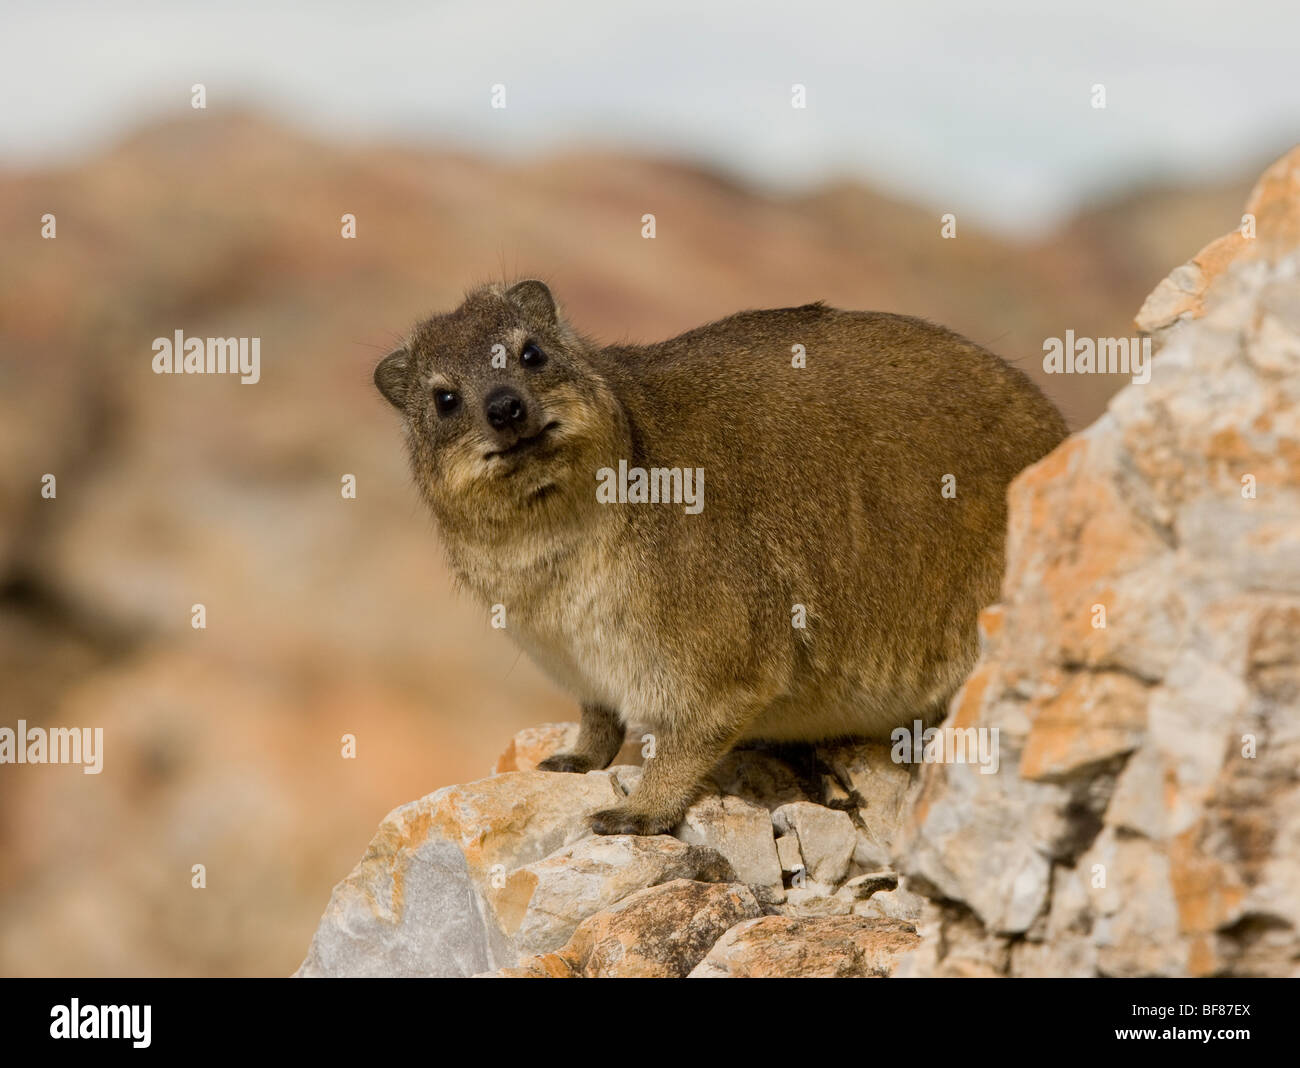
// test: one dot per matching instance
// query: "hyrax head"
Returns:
(505, 416)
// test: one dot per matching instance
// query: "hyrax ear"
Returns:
(390, 377)
(533, 299)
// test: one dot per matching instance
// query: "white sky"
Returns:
(951, 103)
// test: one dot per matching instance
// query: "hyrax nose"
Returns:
(505, 408)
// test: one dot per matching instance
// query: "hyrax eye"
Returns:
(446, 401)
(532, 357)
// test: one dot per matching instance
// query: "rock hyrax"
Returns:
(780, 526)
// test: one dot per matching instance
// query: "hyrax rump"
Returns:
(852, 524)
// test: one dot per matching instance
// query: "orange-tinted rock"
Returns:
(1276, 232)
(661, 932)
(1144, 667)
(821, 947)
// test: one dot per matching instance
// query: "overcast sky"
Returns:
(983, 107)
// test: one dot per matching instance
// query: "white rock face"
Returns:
(787, 852)
(542, 903)
(880, 788)
(1146, 812)
(422, 902)
(742, 833)
(826, 838)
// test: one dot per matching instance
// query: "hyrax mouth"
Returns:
(523, 445)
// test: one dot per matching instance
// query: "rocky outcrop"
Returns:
(502, 877)
(1139, 685)
(661, 932)
(1143, 669)
(831, 947)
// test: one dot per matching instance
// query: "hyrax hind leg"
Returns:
(600, 737)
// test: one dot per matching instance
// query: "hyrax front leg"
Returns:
(669, 780)
(600, 737)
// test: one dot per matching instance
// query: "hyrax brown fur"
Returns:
(828, 587)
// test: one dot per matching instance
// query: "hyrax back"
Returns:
(851, 528)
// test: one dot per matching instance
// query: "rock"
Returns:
(742, 833)
(530, 746)
(660, 932)
(419, 901)
(500, 876)
(870, 854)
(1272, 207)
(878, 788)
(1145, 816)
(547, 966)
(815, 899)
(758, 776)
(820, 947)
(542, 903)
(876, 895)
(626, 777)
(870, 774)
(978, 847)
(861, 887)
(966, 948)
(827, 838)
(834, 795)
(787, 852)
(901, 905)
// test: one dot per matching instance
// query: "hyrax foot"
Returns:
(599, 740)
(575, 762)
(623, 819)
